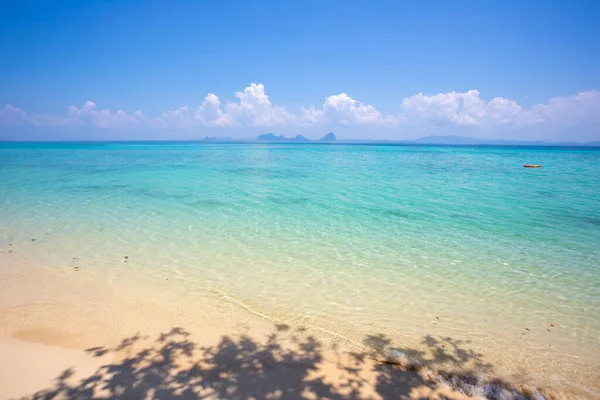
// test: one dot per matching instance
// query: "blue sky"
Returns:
(382, 69)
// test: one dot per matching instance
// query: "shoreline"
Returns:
(87, 313)
(45, 331)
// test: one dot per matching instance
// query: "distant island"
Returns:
(425, 141)
(217, 139)
(330, 137)
(271, 137)
(470, 141)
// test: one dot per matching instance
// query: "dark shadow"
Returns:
(285, 365)
(434, 353)
(446, 361)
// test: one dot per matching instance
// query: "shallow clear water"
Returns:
(402, 240)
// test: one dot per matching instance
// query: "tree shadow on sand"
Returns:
(288, 364)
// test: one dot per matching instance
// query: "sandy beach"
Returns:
(173, 366)
(68, 334)
(89, 339)
(299, 200)
(428, 273)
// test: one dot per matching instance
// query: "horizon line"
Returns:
(509, 142)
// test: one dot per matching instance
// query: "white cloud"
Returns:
(469, 109)
(458, 109)
(12, 116)
(180, 118)
(503, 111)
(440, 109)
(86, 115)
(343, 109)
(348, 110)
(209, 113)
(253, 108)
(583, 107)
(104, 118)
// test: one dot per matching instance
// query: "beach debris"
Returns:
(33, 240)
(126, 257)
(282, 327)
(438, 318)
(527, 329)
(552, 325)
(392, 356)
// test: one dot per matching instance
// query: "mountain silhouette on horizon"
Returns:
(330, 137)
(271, 137)
(464, 140)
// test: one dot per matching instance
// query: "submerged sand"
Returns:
(75, 333)
(72, 336)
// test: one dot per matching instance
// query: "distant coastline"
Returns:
(331, 139)
(271, 137)
(426, 140)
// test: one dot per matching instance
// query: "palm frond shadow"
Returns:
(240, 367)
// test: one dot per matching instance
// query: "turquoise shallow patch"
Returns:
(352, 238)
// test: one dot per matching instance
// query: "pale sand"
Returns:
(46, 330)
(49, 317)
(27, 367)
(32, 369)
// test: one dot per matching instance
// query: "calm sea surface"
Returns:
(401, 240)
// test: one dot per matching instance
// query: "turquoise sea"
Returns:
(407, 241)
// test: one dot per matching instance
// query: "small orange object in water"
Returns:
(532, 165)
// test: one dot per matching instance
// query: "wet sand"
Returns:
(89, 339)
(68, 332)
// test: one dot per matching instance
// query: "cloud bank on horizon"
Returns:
(444, 113)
